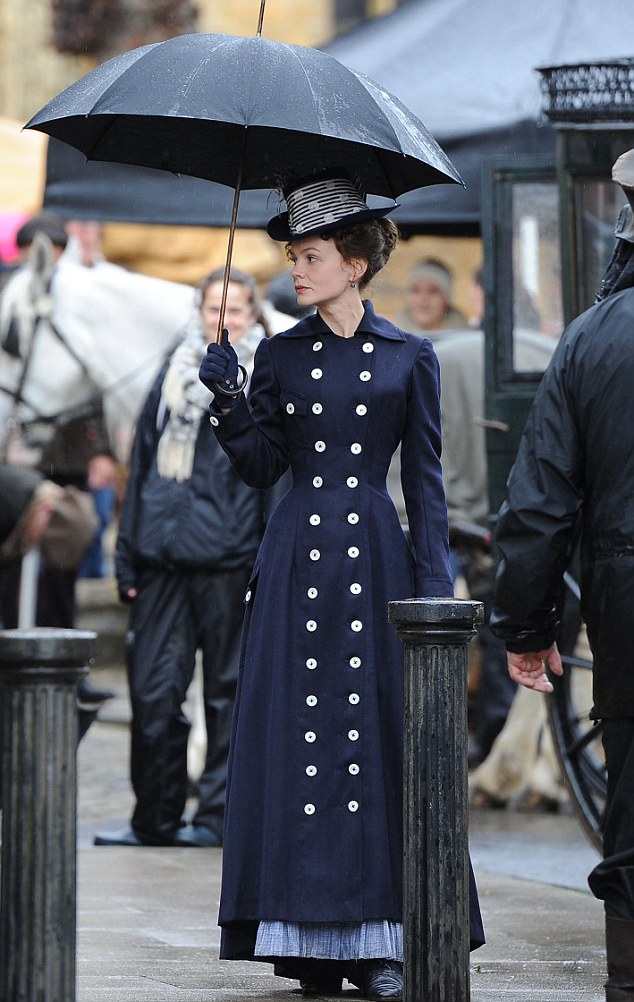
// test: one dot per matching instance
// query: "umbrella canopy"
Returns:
(247, 112)
(77, 188)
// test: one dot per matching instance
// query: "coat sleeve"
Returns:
(252, 433)
(421, 477)
(143, 451)
(536, 523)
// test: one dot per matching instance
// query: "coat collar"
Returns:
(370, 324)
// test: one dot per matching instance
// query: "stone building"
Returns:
(47, 44)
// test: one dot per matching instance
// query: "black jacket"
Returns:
(211, 521)
(577, 457)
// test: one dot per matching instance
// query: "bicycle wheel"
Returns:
(577, 738)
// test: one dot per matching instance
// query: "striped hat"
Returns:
(319, 204)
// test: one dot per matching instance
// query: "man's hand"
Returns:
(529, 669)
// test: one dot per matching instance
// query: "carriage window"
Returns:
(535, 301)
(597, 206)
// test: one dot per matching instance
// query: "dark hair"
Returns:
(372, 239)
(238, 277)
(44, 222)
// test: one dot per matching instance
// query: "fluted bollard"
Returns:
(40, 669)
(436, 633)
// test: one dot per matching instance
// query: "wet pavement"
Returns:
(147, 916)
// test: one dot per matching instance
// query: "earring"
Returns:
(353, 285)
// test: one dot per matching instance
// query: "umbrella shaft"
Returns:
(232, 233)
(261, 18)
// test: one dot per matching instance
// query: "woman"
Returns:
(428, 305)
(313, 840)
(188, 535)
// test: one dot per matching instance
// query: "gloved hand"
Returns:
(220, 365)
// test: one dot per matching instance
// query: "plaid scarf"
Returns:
(186, 401)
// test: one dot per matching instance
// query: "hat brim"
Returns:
(278, 228)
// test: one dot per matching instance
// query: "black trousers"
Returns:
(175, 614)
(613, 879)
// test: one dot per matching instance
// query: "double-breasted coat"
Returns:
(313, 825)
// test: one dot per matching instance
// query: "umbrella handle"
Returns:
(220, 390)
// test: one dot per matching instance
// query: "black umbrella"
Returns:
(245, 112)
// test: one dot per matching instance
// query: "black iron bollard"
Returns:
(40, 669)
(435, 633)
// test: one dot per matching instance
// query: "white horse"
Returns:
(71, 334)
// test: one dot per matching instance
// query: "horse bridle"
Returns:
(43, 309)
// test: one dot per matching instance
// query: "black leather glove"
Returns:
(219, 368)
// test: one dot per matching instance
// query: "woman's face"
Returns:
(426, 304)
(320, 274)
(239, 313)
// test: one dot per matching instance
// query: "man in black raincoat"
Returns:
(575, 470)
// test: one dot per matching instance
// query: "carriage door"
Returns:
(523, 303)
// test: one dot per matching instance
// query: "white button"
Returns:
(320, 446)
(353, 806)
(368, 347)
(311, 770)
(314, 520)
(247, 597)
(353, 551)
(318, 481)
(356, 588)
(316, 373)
(356, 625)
(317, 408)
(310, 736)
(290, 408)
(311, 663)
(311, 625)
(353, 518)
(353, 769)
(311, 700)
(317, 346)
(355, 662)
(365, 376)
(309, 809)
(213, 420)
(361, 409)
(352, 482)
(353, 698)
(355, 448)
(353, 735)
(312, 593)
(314, 554)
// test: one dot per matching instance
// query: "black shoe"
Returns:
(89, 695)
(127, 836)
(197, 836)
(382, 979)
(325, 986)
(124, 836)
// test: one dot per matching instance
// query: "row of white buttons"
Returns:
(350, 482)
(316, 408)
(352, 807)
(310, 736)
(353, 769)
(355, 625)
(353, 698)
(354, 662)
(353, 551)
(365, 375)
(367, 347)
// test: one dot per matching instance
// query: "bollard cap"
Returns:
(440, 612)
(46, 646)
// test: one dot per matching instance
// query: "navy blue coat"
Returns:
(313, 824)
